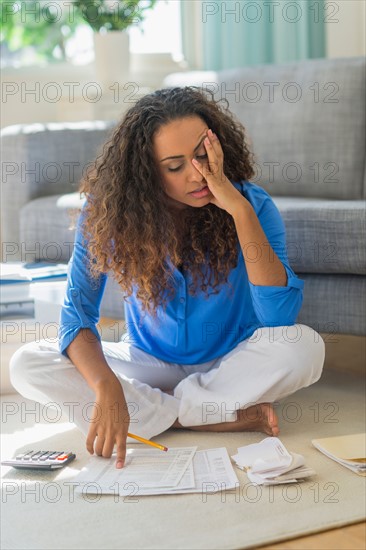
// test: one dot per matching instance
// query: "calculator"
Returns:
(40, 460)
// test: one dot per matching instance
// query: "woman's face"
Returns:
(175, 145)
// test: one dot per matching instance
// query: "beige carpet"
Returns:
(40, 511)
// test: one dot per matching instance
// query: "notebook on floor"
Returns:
(348, 450)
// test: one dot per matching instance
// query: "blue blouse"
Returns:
(192, 329)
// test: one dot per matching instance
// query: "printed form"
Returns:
(153, 472)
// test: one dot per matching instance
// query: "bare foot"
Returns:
(258, 418)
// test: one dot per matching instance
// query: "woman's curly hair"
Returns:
(129, 226)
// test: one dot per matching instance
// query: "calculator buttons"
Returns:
(45, 455)
(37, 455)
(26, 456)
(64, 456)
(19, 457)
(48, 460)
(55, 454)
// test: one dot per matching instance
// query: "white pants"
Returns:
(270, 365)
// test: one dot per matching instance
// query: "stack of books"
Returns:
(15, 290)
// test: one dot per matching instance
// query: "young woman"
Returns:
(210, 298)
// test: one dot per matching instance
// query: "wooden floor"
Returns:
(352, 537)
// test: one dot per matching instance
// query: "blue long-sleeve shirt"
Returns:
(192, 329)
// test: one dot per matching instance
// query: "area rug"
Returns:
(41, 511)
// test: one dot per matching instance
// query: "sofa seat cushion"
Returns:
(46, 229)
(334, 304)
(323, 236)
(47, 234)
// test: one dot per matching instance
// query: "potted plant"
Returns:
(36, 25)
(47, 26)
(109, 20)
(113, 15)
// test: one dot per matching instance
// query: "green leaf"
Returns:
(32, 22)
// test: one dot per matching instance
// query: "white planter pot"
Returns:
(112, 57)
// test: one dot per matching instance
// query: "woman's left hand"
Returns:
(224, 194)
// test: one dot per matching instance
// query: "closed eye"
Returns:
(179, 167)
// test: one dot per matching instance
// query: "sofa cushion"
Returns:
(46, 230)
(315, 145)
(305, 122)
(39, 160)
(311, 225)
(334, 304)
(324, 236)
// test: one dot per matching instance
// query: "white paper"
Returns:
(292, 476)
(296, 462)
(270, 463)
(144, 469)
(206, 471)
(264, 456)
(357, 468)
(213, 472)
(209, 472)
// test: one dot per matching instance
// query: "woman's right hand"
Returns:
(109, 421)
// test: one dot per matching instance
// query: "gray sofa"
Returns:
(306, 125)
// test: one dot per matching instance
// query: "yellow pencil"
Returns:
(148, 442)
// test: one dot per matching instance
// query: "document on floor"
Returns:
(270, 463)
(151, 472)
(212, 471)
(348, 450)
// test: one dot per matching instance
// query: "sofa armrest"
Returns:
(40, 160)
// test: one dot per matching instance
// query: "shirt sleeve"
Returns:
(83, 294)
(276, 305)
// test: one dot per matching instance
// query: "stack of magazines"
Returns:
(15, 285)
(347, 450)
(20, 272)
